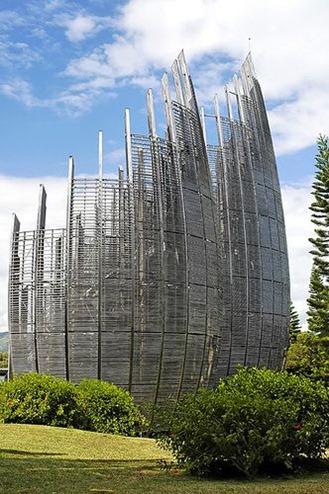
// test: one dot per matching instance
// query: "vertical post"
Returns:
(178, 84)
(13, 289)
(223, 181)
(69, 254)
(228, 103)
(121, 214)
(133, 240)
(218, 122)
(168, 108)
(128, 147)
(186, 80)
(140, 252)
(156, 164)
(150, 114)
(203, 125)
(99, 231)
(38, 269)
(236, 148)
(41, 219)
(248, 73)
(140, 219)
(239, 99)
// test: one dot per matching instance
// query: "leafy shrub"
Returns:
(107, 408)
(39, 399)
(308, 355)
(255, 422)
(3, 359)
(92, 405)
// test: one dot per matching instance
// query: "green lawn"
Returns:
(47, 460)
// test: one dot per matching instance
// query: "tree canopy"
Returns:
(294, 323)
(318, 301)
(3, 359)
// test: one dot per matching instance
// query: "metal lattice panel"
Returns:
(168, 278)
(37, 301)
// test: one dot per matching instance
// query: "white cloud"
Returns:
(9, 19)
(288, 41)
(97, 83)
(77, 99)
(81, 26)
(20, 90)
(91, 66)
(17, 54)
(53, 5)
(296, 202)
(215, 73)
(297, 124)
(73, 103)
(116, 158)
(288, 52)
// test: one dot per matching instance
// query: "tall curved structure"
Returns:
(169, 277)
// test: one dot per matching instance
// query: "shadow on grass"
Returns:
(38, 460)
(39, 473)
(27, 453)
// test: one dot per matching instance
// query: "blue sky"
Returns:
(68, 69)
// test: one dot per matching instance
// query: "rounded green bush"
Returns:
(254, 422)
(107, 408)
(39, 399)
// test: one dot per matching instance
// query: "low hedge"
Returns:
(39, 399)
(107, 408)
(92, 405)
(258, 421)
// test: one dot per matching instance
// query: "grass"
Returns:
(49, 460)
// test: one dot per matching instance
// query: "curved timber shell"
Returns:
(170, 276)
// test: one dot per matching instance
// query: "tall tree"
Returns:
(318, 301)
(294, 323)
(309, 356)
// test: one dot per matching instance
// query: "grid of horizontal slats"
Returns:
(168, 279)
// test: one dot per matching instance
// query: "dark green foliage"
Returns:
(39, 399)
(318, 301)
(107, 408)
(308, 355)
(294, 323)
(255, 422)
(3, 359)
(93, 405)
